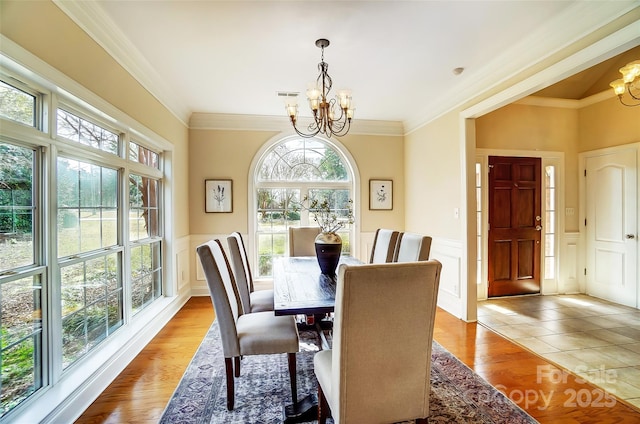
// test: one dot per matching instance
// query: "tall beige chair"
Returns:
(258, 333)
(379, 368)
(384, 245)
(251, 300)
(302, 241)
(412, 247)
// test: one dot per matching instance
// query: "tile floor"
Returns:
(591, 337)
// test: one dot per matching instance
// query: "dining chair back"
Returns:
(384, 245)
(258, 333)
(302, 241)
(379, 367)
(412, 247)
(251, 300)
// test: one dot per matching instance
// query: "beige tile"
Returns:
(595, 359)
(610, 336)
(632, 332)
(635, 347)
(627, 356)
(621, 389)
(570, 325)
(630, 375)
(573, 341)
(523, 330)
(634, 401)
(536, 345)
(565, 360)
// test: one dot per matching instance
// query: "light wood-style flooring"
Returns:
(550, 395)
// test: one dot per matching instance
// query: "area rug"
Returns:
(458, 395)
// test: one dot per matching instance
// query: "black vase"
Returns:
(328, 249)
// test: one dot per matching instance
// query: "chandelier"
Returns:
(630, 83)
(330, 117)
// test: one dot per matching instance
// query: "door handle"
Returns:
(538, 227)
(631, 236)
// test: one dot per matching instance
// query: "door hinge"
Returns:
(585, 172)
(585, 271)
(585, 222)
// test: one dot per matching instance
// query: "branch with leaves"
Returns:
(327, 219)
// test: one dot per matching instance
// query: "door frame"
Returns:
(548, 158)
(582, 193)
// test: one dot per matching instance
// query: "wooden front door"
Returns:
(515, 224)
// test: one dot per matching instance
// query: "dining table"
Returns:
(300, 288)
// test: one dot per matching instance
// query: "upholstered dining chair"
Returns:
(379, 367)
(412, 247)
(258, 333)
(384, 245)
(251, 300)
(302, 241)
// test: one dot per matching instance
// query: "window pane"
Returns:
(91, 293)
(143, 155)
(146, 281)
(17, 105)
(16, 206)
(87, 207)
(144, 213)
(303, 160)
(86, 132)
(21, 341)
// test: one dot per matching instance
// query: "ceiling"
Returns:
(397, 57)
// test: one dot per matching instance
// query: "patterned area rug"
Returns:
(458, 395)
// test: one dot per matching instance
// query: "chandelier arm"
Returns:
(631, 93)
(628, 104)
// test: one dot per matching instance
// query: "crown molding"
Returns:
(566, 103)
(91, 18)
(221, 121)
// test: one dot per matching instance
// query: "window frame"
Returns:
(353, 184)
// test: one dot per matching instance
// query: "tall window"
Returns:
(289, 171)
(89, 256)
(21, 277)
(105, 237)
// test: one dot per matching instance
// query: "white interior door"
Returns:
(611, 227)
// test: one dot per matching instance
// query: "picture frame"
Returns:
(218, 196)
(380, 194)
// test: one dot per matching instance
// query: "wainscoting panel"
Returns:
(197, 280)
(450, 295)
(569, 281)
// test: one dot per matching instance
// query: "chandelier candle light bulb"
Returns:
(630, 83)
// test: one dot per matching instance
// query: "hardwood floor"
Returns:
(141, 392)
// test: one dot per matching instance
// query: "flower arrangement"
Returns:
(327, 220)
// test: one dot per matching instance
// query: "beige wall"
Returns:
(526, 127)
(44, 30)
(433, 175)
(228, 154)
(607, 124)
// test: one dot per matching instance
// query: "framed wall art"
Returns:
(218, 196)
(380, 194)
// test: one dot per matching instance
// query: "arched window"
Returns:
(285, 173)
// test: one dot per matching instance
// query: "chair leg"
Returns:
(323, 406)
(422, 421)
(236, 362)
(228, 362)
(293, 376)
